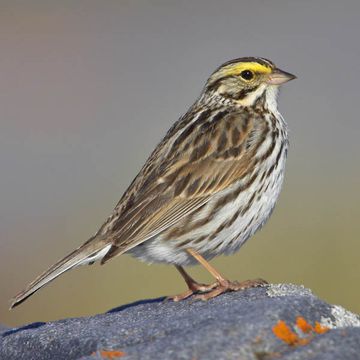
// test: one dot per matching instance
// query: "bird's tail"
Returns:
(94, 249)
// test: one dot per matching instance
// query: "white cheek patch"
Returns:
(253, 96)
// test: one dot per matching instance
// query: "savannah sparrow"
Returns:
(206, 188)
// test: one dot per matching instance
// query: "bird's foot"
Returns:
(224, 286)
(194, 288)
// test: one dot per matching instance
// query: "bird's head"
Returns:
(244, 80)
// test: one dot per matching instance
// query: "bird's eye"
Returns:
(247, 74)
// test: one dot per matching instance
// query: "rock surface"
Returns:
(3, 328)
(232, 326)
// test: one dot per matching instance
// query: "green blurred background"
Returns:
(88, 88)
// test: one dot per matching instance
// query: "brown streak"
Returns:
(181, 184)
(200, 151)
(248, 204)
(222, 142)
(235, 136)
(193, 187)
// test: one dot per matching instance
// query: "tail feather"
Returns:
(92, 250)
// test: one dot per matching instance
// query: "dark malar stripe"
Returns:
(243, 93)
(237, 95)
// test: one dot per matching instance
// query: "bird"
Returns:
(207, 187)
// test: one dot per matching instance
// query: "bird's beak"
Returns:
(278, 77)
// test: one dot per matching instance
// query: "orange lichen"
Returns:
(110, 354)
(303, 325)
(320, 329)
(283, 332)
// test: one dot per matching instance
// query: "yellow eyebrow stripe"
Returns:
(236, 69)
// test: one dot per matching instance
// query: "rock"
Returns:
(3, 328)
(232, 326)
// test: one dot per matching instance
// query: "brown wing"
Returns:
(191, 164)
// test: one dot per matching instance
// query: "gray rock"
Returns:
(232, 326)
(3, 328)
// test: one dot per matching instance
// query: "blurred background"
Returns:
(88, 88)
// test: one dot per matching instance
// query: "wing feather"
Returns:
(175, 182)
